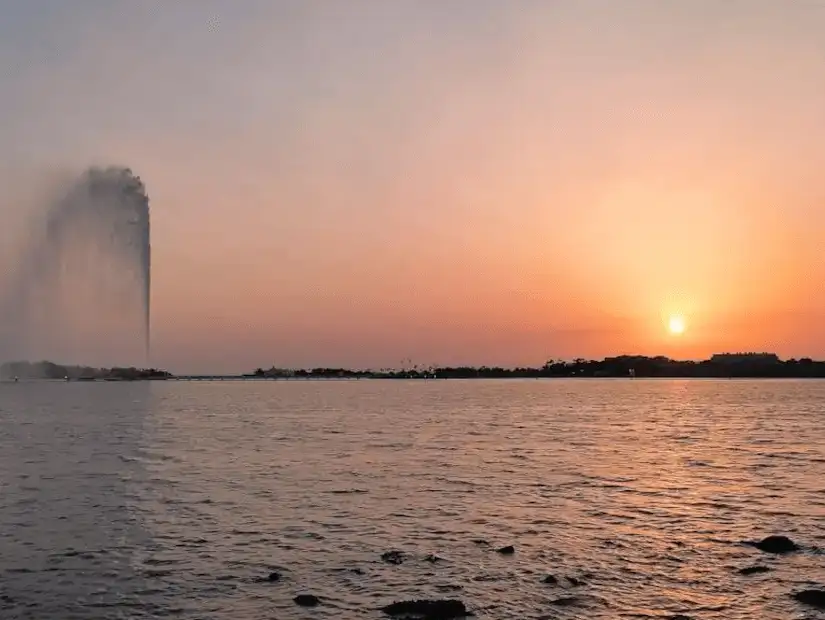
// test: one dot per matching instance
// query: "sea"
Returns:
(621, 498)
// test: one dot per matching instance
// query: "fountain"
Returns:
(79, 288)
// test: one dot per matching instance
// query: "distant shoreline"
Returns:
(720, 366)
(248, 379)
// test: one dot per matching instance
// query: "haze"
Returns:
(464, 181)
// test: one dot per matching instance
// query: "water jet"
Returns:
(79, 290)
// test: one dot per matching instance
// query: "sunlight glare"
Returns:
(676, 325)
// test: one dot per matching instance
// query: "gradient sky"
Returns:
(452, 181)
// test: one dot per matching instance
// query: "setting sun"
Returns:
(676, 325)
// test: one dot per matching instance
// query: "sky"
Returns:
(446, 181)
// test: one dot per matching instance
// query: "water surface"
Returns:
(153, 500)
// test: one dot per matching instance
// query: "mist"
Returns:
(76, 270)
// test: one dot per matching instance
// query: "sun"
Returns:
(676, 324)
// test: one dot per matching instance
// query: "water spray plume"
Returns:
(79, 289)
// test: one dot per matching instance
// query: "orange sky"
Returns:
(466, 182)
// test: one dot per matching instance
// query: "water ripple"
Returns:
(178, 500)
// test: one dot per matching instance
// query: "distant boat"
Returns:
(632, 373)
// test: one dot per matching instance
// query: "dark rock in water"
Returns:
(307, 600)
(273, 577)
(814, 598)
(550, 579)
(753, 570)
(393, 557)
(775, 544)
(352, 570)
(508, 550)
(428, 609)
(613, 544)
(487, 577)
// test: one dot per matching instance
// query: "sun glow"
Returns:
(676, 325)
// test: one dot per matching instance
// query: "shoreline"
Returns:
(241, 378)
(718, 366)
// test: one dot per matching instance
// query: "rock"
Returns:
(753, 570)
(393, 557)
(444, 609)
(508, 550)
(775, 544)
(307, 600)
(273, 577)
(814, 598)
(550, 580)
